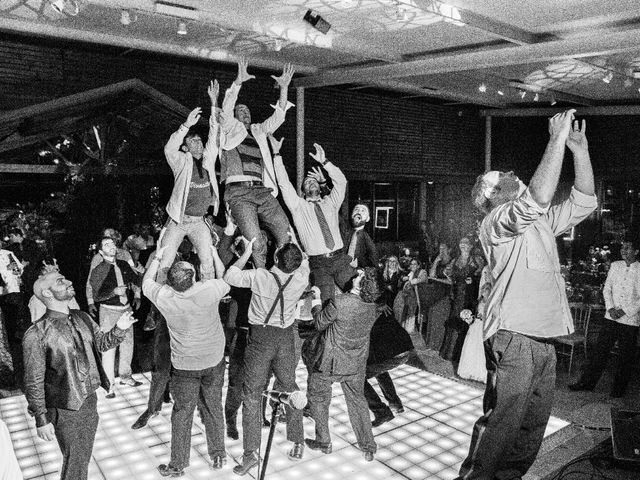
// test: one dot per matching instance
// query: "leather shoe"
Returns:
(384, 419)
(111, 394)
(368, 456)
(143, 419)
(232, 431)
(580, 386)
(296, 452)
(248, 462)
(132, 382)
(169, 471)
(397, 408)
(316, 445)
(219, 460)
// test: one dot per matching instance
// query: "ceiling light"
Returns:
(628, 83)
(500, 92)
(482, 88)
(523, 94)
(127, 17)
(277, 46)
(536, 97)
(56, 161)
(60, 6)
(553, 100)
(451, 14)
(182, 27)
(608, 77)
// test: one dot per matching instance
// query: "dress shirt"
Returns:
(197, 337)
(264, 291)
(622, 290)
(528, 292)
(303, 211)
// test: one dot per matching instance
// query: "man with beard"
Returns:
(63, 371)
(527, 305)
(361, 248)
(316, 219)
(246, 166)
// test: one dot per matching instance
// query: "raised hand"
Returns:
(160, 252)
(319, 156)
(248, 245)
(285, 78)
(316, 292)
(126, 320)
(577, 139)
(193, 118)
(275, 144)
(560, 124)
(213, 91)
(317, 175)
(243, 75)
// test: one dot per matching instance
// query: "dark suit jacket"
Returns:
(346, 329)
(366, 252)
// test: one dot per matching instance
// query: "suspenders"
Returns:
(279, 297)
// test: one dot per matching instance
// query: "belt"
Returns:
(248, 183)
(327, 255)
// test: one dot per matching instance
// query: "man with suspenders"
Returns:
(271, 345)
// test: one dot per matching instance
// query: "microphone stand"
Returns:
(278, 410)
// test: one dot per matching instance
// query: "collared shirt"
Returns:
(121, 254)
(622, 290)
(197, 337)
(264, 291)
(528, 292)
(304, 213)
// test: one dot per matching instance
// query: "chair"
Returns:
(581, 313)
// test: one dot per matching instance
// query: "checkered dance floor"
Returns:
(429, 440)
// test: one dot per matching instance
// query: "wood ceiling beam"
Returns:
(610, 44)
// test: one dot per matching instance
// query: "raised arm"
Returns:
(545, 179)
(172, 148)
(212, 145)
(577, 143)
(289, 194)
(272, 123)
(217, 263)
(337, 177)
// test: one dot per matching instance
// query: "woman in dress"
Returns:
(390, 280)
(464, 273)
(413, 282)
(437, 290)
(473, 365)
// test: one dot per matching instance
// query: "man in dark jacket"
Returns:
(342, 357)
(63, 371)
(360, 246)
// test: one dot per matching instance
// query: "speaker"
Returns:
(316, 21)
(625, 434)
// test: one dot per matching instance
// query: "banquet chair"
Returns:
(581, 313)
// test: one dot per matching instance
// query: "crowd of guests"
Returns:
(312, 291)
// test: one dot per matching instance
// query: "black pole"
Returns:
(275, 415)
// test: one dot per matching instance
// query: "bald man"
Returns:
(62, 372)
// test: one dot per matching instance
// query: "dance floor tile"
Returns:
(429, 440)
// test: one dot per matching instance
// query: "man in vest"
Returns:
(247, 167)
(275, 293)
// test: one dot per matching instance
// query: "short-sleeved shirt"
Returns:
(197, 337)
(528, 292)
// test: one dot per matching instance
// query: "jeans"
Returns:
(517, 403)
(269, 349)
(161, 365)
(233, 401)
(319, 396)
(75, 432)
(108, 319)
(252, 207)
(627, 337)
(197, 231)
(190, 388)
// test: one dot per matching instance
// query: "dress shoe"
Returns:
(296, 451)
(169, 471)
(132, 382)
(232, 431)
(316, 445)
(266, 423)
(248, 462)
(368, 456)
(219, 460)
(111, 393)
(396, 408)
(580, 386)
(143, 419)
(384, 419)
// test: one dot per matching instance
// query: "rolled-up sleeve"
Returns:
(571, 212)
(513, 218)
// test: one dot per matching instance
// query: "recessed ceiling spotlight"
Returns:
(500, 92)
(553, 100)
(182, 27)
(127, 17)
(482, 88)
(60, 5)
(523, 94)
(536, 97)
(608, 77)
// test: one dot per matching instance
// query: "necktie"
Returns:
(120, 282)
(352, 248)
(82, 362)
(324, 227)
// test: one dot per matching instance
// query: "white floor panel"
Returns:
(429, 440)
